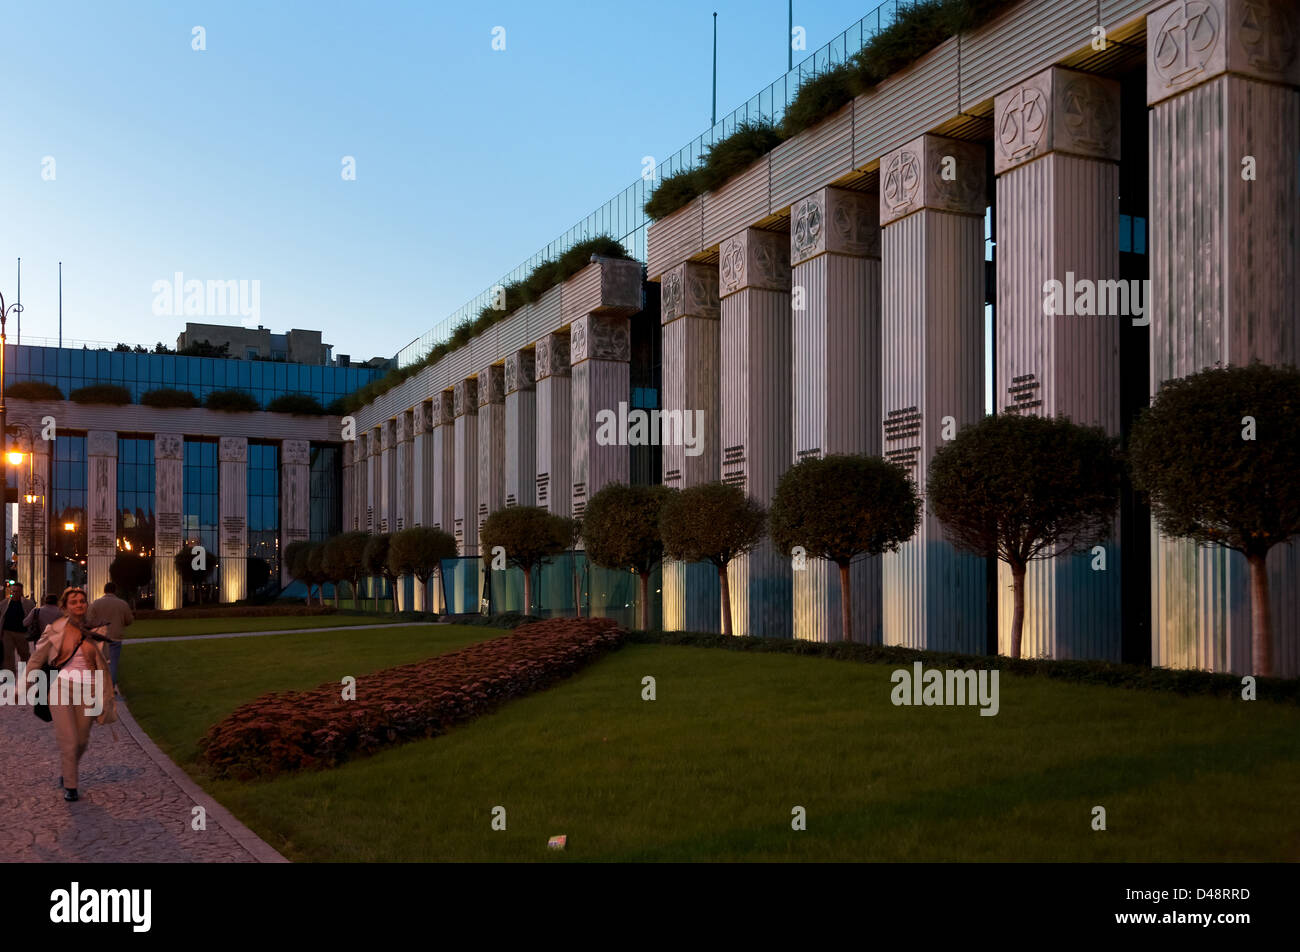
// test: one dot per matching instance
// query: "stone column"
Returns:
(1222, 78)
(754, 286)
(691, 328)
(373, 485)
(232, 483)
(491, 442)
(387, 476)
(169, 504)
(295, 498)
(599, 350)
(554, 424)
(444, 462)
(101, 508)
(521, 428)
(835, 260)
(361, 482)
(33, 519)
(349, 487)
(466, 435)
(422, 483)
(932, 205)
(405, 501)
(1056, 154)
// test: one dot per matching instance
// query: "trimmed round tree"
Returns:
(374, 560)
(620, 529)
(844, 507)
(1023, 488)
(1218, 454)
(345, 558)
(530, 536)
(295, 562)
(419, 551)
(713, 522)
(130, 573)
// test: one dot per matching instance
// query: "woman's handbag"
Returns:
(43, 710)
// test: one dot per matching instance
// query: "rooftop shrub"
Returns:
(166, 397)
(301, 403)
(101, 393)
(232, 401)
(33, 390)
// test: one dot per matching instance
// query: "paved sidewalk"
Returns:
(135, 807)
(279, 631)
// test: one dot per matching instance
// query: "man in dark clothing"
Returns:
(12, 612)
(41, 617)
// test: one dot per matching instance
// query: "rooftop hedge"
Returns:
(301, 403)
(917, 28)
(518, 293)
(167, 398)
(232, 401)
(101, 393)
(33, 390)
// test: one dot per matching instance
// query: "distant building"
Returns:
(246, 343)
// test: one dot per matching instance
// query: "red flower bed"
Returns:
(294, 730)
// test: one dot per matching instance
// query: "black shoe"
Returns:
(69, 794)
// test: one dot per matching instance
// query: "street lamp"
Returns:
(35, 493)
(5, 311)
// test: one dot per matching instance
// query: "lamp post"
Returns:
(5, 311)
(31, 498)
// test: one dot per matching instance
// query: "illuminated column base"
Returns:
(232, 532)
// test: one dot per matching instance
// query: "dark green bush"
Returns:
(166, 397)
(818, 97)
(675, 191)
(33, 390)
(232, 401)
(101, 393)
(301, 403)
(730, 156)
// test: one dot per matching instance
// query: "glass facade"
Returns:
(202, 503)
(326, 492)
(70, 369)
(68, 512)
(135, 495)
(264, 509)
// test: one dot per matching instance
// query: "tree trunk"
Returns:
(1018, 612)
(374, 590)
(336, 595)
(846, 605)
(643, 610)
(1261, 618)
(726, 599)
(442, 582)
(577, 591)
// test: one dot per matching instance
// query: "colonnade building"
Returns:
(879, 280)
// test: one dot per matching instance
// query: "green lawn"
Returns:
(160, 627)
(713, 767)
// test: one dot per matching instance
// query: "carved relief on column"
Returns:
(689, 290)
(552, 356)
(597, 337)
(232, 449)
(298, 451)
(491, 386)
(444, 408)
(1059, 110)
(1192, 41)
(837, 221)
(466, 397)
(520, 371)
(932, 172)
(295, 501)
(403, 427)
(754, 259)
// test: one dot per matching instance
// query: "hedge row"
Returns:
(294, 730)
(1108, 674)
(243, 611)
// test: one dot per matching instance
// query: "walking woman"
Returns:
(73, 648)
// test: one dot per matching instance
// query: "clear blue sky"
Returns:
(225, 164)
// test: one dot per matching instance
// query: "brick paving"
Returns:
(135, 807)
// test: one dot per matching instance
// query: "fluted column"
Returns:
(168, 502)
(295, 498)
(932, 206)
(1222, 78)
(388, 476)
(232, 483)
(33, 520)
(101, 508)
(1056, 155)
(443, 443)
(521, 428)
(405, 446)
(691, 332)
(374, 483)
(491, 441)
(349, 487)
(554, 423)
(466, 430)
(754, 287)
(421, 479)
(835, 259)
(600, 347)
